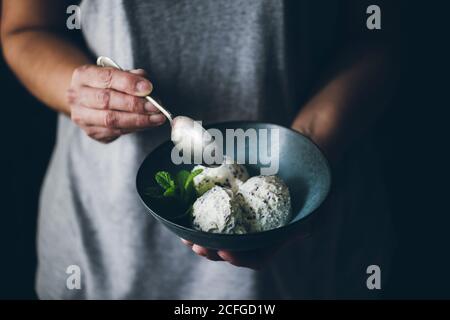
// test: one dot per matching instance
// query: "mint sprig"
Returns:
(181, 188)
(165, 180)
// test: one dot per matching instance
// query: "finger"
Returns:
(207, 253)
(213, 256)
(107, 139)
(248, 259)
(102, 134)
(186, 242)
(201, 251)
(229, 257)
(115, 119)
(110, 78)
(113, 100)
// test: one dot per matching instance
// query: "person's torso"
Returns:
(211, 60)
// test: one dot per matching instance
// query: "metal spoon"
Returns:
(186, 134)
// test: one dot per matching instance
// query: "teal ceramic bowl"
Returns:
(302, 166)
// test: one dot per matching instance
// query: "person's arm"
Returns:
(359, 85)
(34, 46)
(349, 104)
(104, 102)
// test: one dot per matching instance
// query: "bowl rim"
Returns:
(289, 226)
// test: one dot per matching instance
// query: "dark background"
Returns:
(412, 138)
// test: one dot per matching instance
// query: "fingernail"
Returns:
(143, 87)
(198, 251)
(222, 255)
(157, 118)
(148, 106)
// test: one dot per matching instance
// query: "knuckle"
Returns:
(110, 119)
(76, 75)
(76, 119)
(135, 104)
(129, 82)
(103, 98)
(71, 96)
(90, 132)
(75, 116)
(142, 121)
(105, 76)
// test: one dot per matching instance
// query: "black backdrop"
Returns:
(411, 137)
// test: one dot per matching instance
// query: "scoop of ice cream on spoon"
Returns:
(190, 136)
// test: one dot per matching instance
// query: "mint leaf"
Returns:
(189, 193)
(188, 186)
(191, 177)
(181, 178)
(170, 192)
(164, 179)
(181, 189)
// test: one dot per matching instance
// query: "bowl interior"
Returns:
(301, 165)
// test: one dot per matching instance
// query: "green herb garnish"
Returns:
(181, 188)
(165, 180)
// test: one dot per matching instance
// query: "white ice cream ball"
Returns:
(218, 211)
(228, 175)
(189, 136)
(265, 202)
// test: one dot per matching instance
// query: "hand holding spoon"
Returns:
(187, 134)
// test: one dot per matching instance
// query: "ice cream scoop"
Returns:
(190, 136)
(265, 202)
(229, 175)
(218, 211)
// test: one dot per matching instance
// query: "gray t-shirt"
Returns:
(214, 61)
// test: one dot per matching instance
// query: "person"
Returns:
(311, 65)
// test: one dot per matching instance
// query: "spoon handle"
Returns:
(108, 62)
